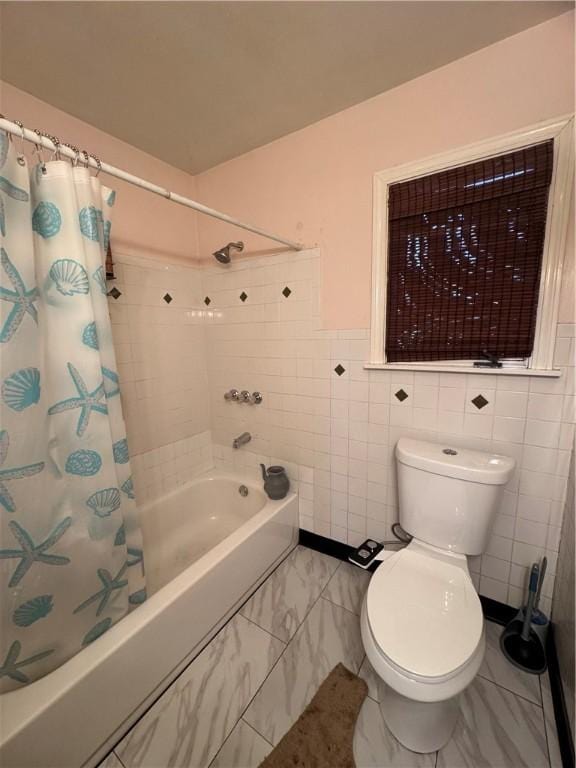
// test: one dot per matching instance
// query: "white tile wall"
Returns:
(162, 470)
(336, 434)
(160, 350)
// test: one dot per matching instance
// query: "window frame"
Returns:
(541, 362)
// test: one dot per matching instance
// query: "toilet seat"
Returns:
(424, 614)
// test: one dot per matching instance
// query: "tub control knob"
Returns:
(232, 394)
(257, 398)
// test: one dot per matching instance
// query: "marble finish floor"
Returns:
(235, 701)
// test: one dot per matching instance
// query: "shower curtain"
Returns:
(71, 562)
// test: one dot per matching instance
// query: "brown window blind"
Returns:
(464, 257)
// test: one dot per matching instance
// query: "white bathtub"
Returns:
(206, 549)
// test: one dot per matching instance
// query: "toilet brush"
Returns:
(519, 643)
(538, 618)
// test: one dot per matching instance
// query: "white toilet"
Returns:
(422, 624)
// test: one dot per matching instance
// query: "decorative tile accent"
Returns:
(243, 296)
(286, 292)
(167, 298)
(114, 292)
(340, 369)
(207, 300)
(400, 395)
(480, 402)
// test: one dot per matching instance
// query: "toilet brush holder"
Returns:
(523, 640)
(527, 654)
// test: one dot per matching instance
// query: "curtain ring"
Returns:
(76, 153)
(20, 158)
(38, 150)
(21, 126)
(56, 141)
(98, 163)
(86, 158)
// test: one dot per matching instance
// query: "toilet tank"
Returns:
(449, 496)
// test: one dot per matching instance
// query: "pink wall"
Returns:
(143, 223)
(315, 185)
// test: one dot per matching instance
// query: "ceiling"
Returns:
(197, 83)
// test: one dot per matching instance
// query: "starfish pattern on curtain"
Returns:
(67, 575)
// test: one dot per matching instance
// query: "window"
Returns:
(467, 255)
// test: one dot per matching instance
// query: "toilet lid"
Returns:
(424, 613)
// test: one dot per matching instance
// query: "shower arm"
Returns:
(43, 140)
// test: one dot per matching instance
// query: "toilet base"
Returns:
(421, 726)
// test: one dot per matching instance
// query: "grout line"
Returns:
(546, 736)
(163, 691)
(331, 577)
(256, 731)
(230, 734)
(262, 629)
(282, 640)
(327, 600)
(288, 644)
(116, 756)
(514, 693)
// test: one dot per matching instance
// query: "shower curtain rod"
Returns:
(53, 144)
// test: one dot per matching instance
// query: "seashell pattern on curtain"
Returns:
(71, 558)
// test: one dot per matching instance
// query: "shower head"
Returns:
(223, 254)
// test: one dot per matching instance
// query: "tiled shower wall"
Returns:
(185, 335)
(157, 324)
(334, 424)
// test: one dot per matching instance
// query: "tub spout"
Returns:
(241, 440)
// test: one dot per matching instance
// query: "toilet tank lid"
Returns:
(451, 461)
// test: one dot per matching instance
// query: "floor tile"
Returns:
(550, 722)
(498, 669)
(496, 730)
(375, 747)
(110, 762)
(244, 748)
(347, 587)
(329, 635)
(374, 683)
(282, 602)
(191, 720)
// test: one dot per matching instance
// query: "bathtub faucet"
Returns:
(241, 440)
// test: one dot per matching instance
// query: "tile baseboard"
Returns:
(500, 613)
(560, 712)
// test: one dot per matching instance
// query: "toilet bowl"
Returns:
(422, 629)
(421, 623)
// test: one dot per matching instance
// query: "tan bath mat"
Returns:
(323, 734)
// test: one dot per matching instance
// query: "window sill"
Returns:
(549, 373)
